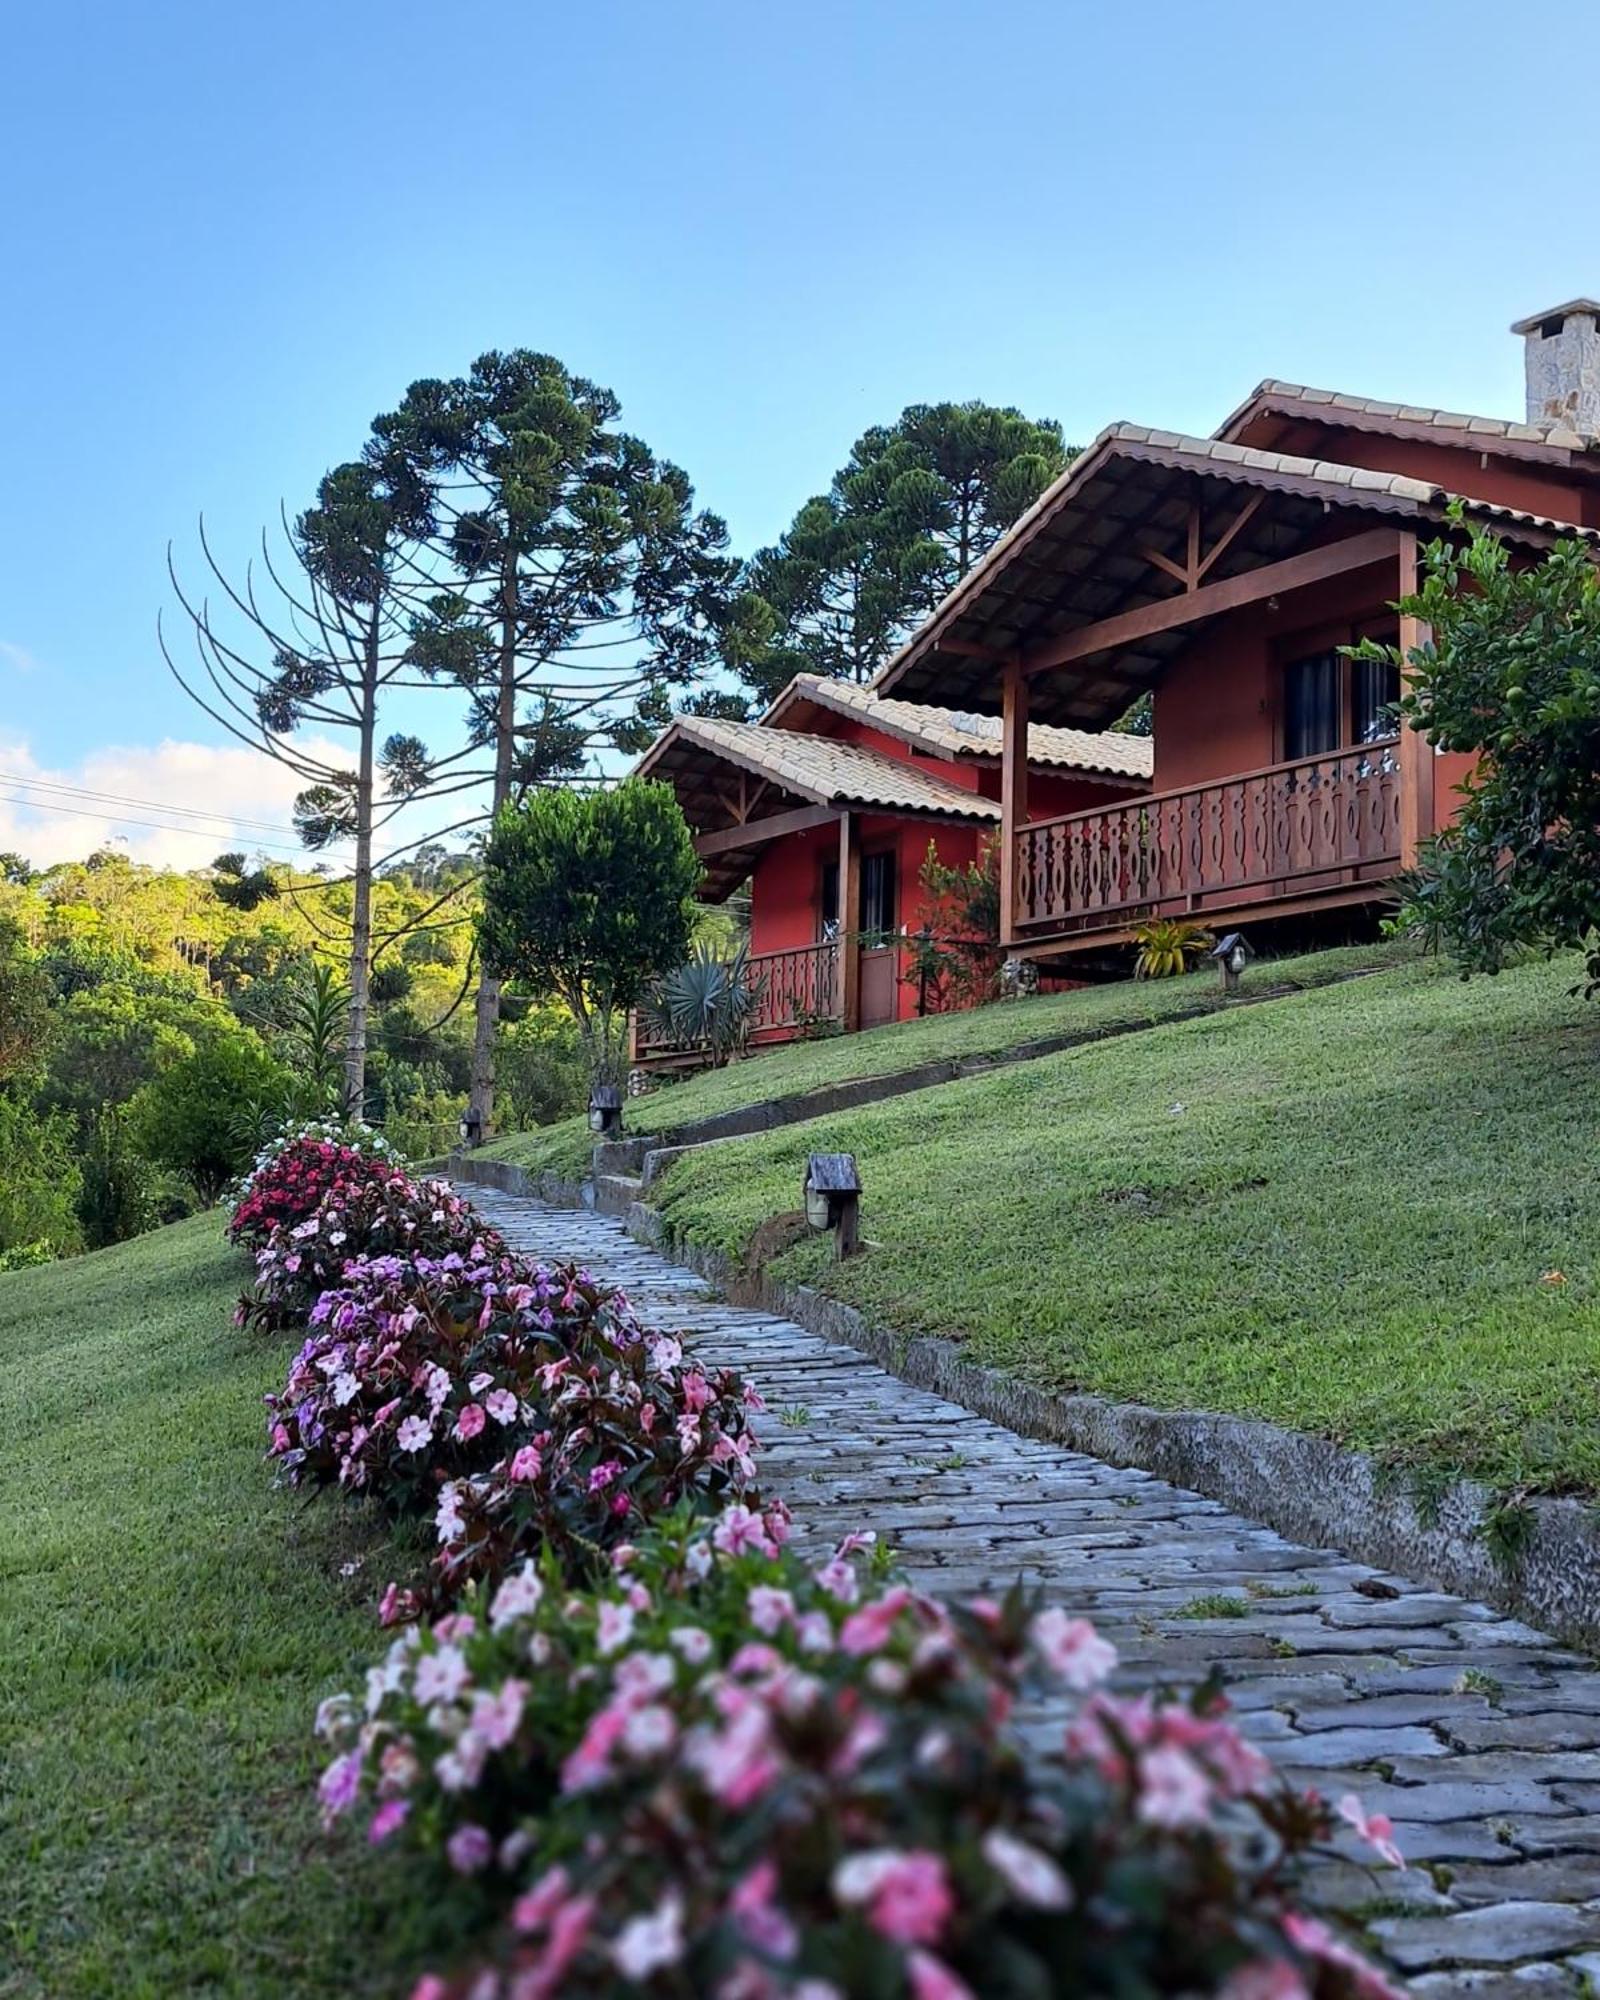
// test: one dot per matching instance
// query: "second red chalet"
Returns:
(827, 806)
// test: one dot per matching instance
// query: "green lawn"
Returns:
(168, 1623)
(1335, 1212)
(565, 1148)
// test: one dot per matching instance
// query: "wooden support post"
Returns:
(849, 923)
(1415, 751)
(1013, 792)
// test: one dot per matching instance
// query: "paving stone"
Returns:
(1505, 1792)
(1522, 1982)
(1548, 1878)
(1498, 1934)
(1354, 1747)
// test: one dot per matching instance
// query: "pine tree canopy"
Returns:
(915, 506)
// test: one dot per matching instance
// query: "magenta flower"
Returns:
(470, 1421)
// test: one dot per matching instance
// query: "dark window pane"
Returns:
(1374, 690)
(1311, 723)
(877, 892)
(828, 911)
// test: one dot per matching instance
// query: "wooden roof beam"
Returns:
(756, 832)
(1188, 607)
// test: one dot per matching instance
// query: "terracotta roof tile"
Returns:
(1370, 412)
(956, 733)
(819, 769)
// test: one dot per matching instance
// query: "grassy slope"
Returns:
(1333, 1212)
(167, 1626)
(565, 1147)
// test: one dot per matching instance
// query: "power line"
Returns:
(150, 805)
(211, 836)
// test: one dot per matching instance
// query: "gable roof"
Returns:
(1077, 556)
(1552, 442)
(958, 735)
(814, 768)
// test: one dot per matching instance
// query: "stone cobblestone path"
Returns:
(1479, 1736)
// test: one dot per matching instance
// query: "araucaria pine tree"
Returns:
(322, 644)
(586, 587)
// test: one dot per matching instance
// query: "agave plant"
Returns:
(1167, 945)
(708, 1003)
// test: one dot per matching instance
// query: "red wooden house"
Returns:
(1224, 574)
(827, 806)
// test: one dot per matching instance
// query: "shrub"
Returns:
(754, 1778)
(373, 1211)
(188, 1117)
(289, 1179)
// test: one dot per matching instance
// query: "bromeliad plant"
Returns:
(725, 1771)
(1168, 946)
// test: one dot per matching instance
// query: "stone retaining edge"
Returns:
(1307, 1488)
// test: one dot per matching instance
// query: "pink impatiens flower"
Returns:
(470, 1420)
(387, 1819)
(413, 1434)
(1173, 1790)
(932, 1979)
(502, 1406)
(1376, 1829)
(906, 1895)
(1072, 1649)
(339, 1786)
(525, 1465)
(1031, 1875)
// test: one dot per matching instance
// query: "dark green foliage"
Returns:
(189, 1118)
(590, 896)
(1511, 675)
(1139, 719)
(119, 1196)
(541, 1067)
(39, 1180)
(24, 1004)
(239, 885)
(917, 504)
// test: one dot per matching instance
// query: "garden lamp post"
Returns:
(605, 1111)
(1232, 954)
(470, 1128)
(833, 1200)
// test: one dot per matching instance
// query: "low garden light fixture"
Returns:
(470, 1128)
(1231, 955)
(833, 1199)
(605, 1111)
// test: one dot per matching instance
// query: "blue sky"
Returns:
(230, 235)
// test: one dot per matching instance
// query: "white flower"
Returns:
(516, 1597)
(413, 1434)
(615, 1627)
(694, 1644)
(1030, 1875)
(645, 1944)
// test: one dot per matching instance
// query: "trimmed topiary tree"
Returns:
(590, 897)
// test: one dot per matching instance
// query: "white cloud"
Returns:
(233, 784)
(12, 655)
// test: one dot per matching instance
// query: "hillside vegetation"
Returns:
(167, 1626)
(1371, 1211)
(564, 1147)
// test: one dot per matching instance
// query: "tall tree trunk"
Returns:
(487, 1012)
(355, 1048)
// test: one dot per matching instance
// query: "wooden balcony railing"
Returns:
(1313, 824)
(800, 988)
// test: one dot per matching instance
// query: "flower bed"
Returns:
(523, 1408)
(670, 1755)
(760, 1778)
(367, 1214)
(288, 1180)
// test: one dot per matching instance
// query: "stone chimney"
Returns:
(1562, 357)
